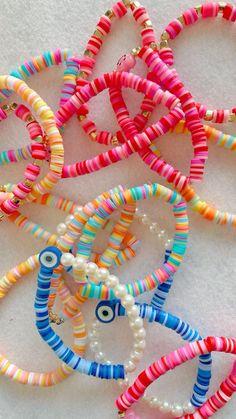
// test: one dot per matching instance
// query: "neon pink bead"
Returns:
(119, 9)
(31, 172)
(126, 63)
(230, 12)
(22, 112)
(148, 36)
(8, 206)
(34, 130)
(38, 151)
(210, 9)
(3, 114)
(190, 16)
(166, 55)
(174, 28)
(94, 44)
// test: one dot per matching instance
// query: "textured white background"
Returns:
(203, 293)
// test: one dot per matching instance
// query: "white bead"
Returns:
(168, 243)
(103, 274)
(136, 355)
(99, 356)
(91, 268)
(140, 334)
(188, 407)
(154, 402)
(61, 229)
(79, 263)
(120, 291)
(140, 344)
(95, 325)
(162, 234)
(107, 362)
(129, 366)
(113, 281)
(165, 407)
(133, 312)
(145, 220)
(138, 213)
(67, 259)
(94, 334)
(95, 346)
(68, 219)
(177, 410)
(137, 324)
(128, 301)
(154, 228)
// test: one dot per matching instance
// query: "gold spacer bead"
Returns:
(126, 3)
(165, 36)
(232, 117)
(115, 140)
(147, 24)
(135, 4)
(146, 114)
(181, 19)
(38, 162)
(164, 44)
(88, 53)
(2, 215)
(109, 13)
(82, 75)
(121, 414)
(15, 200)
(3, 188)
(30, 119)
(13, 106)
(93, 136)
(81, 117)
(98, 34)
(153, 45)
(28, 183)
(208, 116)
(54, 318)
(135, 51)
(222, 6)
(198, 9)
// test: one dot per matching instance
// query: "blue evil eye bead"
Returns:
(105, 312)
(50, 257)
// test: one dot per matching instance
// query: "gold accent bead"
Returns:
(198, 9)
(222, 6)
(54, 318)
(146, 114)
(135, 4)
(147, 24)
(28, 183)
(82, 75)
(30, 119)
(109, 13)
(126, 3)
(38, 162)
(93, 136)
(3, 188)
(153, 45)
(81, 117)
(135, 51)
(115, 140)
(2, 215)
(98, 34)
(88, 53)
(15, 200)
(232, 117)
(208, 116)
(164, 44)
(165, 36)
(181, 19)
(121, 414)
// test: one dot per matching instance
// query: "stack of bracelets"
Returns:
(68, 267)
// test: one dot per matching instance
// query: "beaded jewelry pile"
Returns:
(68, 270)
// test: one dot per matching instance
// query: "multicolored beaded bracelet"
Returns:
(46, 118)
(175, 27)
(107, 311)
(50, 258)
(170, 362)
(48, 59)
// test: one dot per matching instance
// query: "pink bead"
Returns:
(210, 10)
(190, 16)
(22, 112)
(126, 63)
(119, 9)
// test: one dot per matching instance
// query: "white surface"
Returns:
(204, 293)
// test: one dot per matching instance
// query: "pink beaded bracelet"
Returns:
(170, 362)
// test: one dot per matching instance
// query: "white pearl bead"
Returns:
(91, 268)
(129, 366)
(113, 281)
(67, 259)
(145, 220)
(61, 229)
(154, 402)
(128, 301)
(95, 324)
(165, 407)
(162, 235)
(103, 274)
(154, 228)
(136, 356)
(177, 410)
(95, 345)
(168, 243)
(140, 344)
(68, 219)
(99, 356)
(140, 334)
(137, 324)
(188, 407)
(94, 335)
(138, 213)
(120, 291)
(133, 312)
(79, 263)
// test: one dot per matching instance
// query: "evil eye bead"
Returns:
(50, 257)
(105, 313)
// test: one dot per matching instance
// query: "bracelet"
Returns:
(93, 47)
(107, 311)
(48, 59)
(174, 359)
(47, 120)
(125, 150)
(189, 17)
(50, 258)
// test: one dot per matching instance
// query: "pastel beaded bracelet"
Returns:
(50, 259)
(46, 118)
(174, 359)
(190, 17)
(107, 311)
